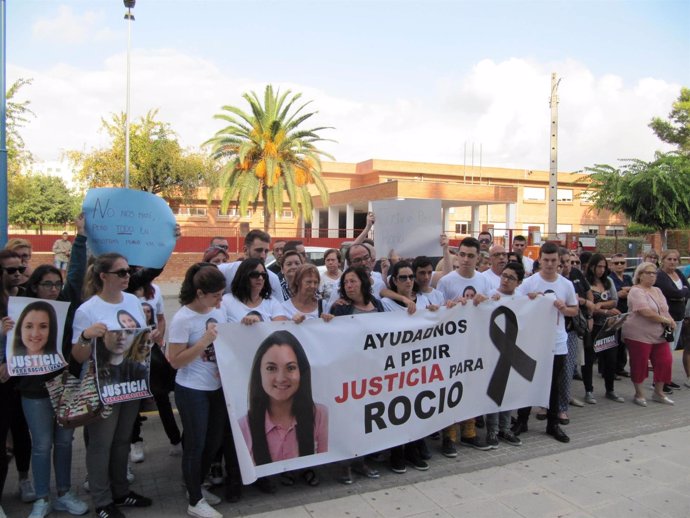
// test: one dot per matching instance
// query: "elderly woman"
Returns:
(643, 334)
(674, 285)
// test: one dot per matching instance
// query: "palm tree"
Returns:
(266, 154)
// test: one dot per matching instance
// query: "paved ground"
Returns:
(622, 459)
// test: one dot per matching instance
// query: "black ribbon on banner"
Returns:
(511, 356)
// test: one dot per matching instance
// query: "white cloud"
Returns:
(502, 106)
(68, 27)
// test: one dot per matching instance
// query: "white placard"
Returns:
(410, 227)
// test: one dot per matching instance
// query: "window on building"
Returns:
(590, 229)
(451, 210)
(229, 212)
(562, 229)
(191, 211)
(585, 197)
(564, 194)
(287, 214)
(612, 230)
(534, 194)
(461, 228)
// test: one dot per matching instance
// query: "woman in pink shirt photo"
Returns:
(283, 422)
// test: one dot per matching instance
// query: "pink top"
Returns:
(282, 442)
(640, 328)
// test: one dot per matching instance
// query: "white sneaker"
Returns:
(175, 450)
(203, 510)
(27, 493)
(210, 498)
(41, 508)
(130, 473)
(70, 503)
(136, 452)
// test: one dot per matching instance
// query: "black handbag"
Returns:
(579, 324)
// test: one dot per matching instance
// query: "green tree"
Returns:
(676, 130)
(266, 154)
(656, 193)
(158, 164)
(40, 200)
(18, 113)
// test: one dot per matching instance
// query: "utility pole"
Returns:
(4, 223)
(553, 169)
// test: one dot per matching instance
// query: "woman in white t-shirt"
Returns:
(250, 299)
(198, 392)
(304, 303)
(108, 445)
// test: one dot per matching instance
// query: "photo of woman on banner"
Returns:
(34, 346)
(282, 421)
(119, 376)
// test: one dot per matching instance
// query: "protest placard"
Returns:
(136, 224)
(123, 358)
(366, 383)
(34, 345)
(410, 227)
(607, 338)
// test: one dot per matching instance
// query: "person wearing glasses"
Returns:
(643, 334)
(499, 259)
(622, 282)
(485, 240)
(23, 249)
(107, 450)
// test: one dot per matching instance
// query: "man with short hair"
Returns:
(62, 248)
(257, 243)
(460, 286)
(219, 242)
(499, 259)
(548, 280)
(298, 247)
(485, 240)
(423, 270)
(278, 251)
(519, 245)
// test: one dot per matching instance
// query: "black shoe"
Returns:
(674, 386)
(519, 426)
(667, 389)
(623, 374)
(479, 421)
(133, 500)
(266, 485)
(424, 451)
(109, 511)
(557, 433)
(448, 448)
(413, 458)
(577, 376)
(233, 492)
(474, 442)
(398, 466)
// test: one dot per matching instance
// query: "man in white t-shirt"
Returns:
(463, 285)
(519, 245)
(257, 244)
(499, 259)
(548, 280)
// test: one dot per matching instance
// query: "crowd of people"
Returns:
(589, 289)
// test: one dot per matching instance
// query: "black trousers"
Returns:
(554, 394)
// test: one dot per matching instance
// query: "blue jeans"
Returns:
(47, 436)
(203, 415)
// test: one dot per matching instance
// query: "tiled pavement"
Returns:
(622, 460)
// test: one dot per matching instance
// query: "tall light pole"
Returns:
(4, 222)
(129, 4)
(553, 169)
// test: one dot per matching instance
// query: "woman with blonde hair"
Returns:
(643, 334)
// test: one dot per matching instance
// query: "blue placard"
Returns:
(136, 224)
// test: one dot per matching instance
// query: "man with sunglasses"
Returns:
(623, 282)
(485, 239)
(12, 267)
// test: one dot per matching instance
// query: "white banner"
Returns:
(34, 345)
(374, 381)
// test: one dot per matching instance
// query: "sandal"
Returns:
(309, 476)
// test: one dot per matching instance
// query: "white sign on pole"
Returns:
(410, 227)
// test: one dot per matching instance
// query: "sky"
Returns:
(418, 80)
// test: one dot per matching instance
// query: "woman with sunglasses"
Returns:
(108, 445)
(402, 281)
(198, 392)
(250, 299)
(48, 439)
